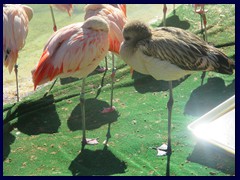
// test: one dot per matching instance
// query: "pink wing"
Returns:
(74, 50)
(15, 29)
(64, 7)
(115, 18)
(122, 7)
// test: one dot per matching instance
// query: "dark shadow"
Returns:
(174, 21)
(8, 139)
(41, 119)
(146, 83)
(93, 115)
(99, 162)
(208, 96)
(68, 80)
(213, 157)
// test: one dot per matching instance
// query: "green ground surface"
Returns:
(42, 135)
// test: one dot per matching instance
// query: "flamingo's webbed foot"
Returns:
(163, 150)
(108, 110)
(101, 69)
(92, 141)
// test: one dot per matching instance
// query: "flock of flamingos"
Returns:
(166, 53)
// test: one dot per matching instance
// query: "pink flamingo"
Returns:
(15, 29)
(123, 8)
(116, 18)
(115, 15)
(62, 7)
(74, 50)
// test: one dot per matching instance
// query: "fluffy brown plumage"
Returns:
(182, 50)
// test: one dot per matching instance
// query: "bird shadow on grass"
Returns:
(213, 157)
(97, 162)
(43, 118)
(208, 96)
(146, 83)
(8, 139)
(174, 21)
(93, 115)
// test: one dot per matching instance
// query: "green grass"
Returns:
(43, 134)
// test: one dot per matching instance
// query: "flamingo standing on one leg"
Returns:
(115, 15)
(74, 50)
(62, 7)
(168, 54)
(15, 29)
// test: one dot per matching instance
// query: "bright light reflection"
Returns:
(221, 130)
